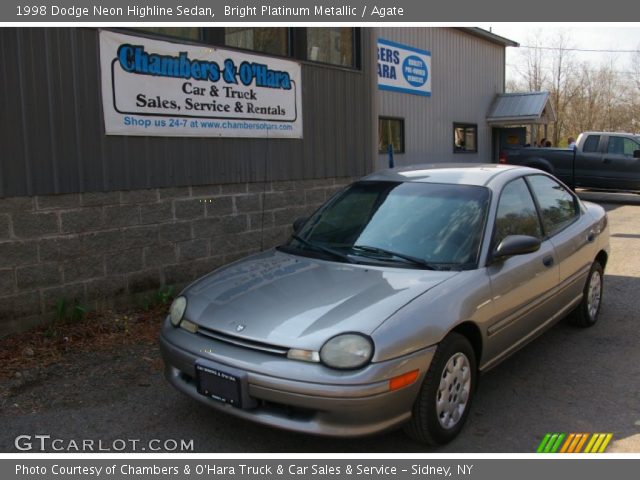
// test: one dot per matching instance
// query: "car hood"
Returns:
(295, 301)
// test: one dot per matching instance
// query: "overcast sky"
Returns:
(587, 37)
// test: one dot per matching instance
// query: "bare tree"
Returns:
(547, 64)
(584, 111)
(599, 103)
(563, 85)
(635, 95)
(532, 70)
(585, 96)
(512, 85)
(635, 67)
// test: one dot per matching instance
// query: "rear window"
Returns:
(591, 144)
(557, 206)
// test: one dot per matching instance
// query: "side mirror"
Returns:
(298, 223)
(516, 245)
(636, 154)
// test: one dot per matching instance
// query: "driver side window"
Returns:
(516, 213)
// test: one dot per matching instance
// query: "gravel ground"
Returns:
(569, 380)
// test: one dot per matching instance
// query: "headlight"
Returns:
(176, 312)
(346, 351)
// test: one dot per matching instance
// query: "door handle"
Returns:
(606, 160)
(548, 261)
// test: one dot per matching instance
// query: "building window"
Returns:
(465, 138)
(339, 46)
(335, 45)
(390, 131)
(274, 41)
(187, 33)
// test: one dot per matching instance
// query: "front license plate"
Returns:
(218, 385)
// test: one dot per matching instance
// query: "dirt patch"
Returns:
(105, 353)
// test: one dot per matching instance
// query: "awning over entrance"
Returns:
(528, 108)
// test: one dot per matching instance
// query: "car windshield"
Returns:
(413, 224)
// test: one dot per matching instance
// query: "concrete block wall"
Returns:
(111, 249)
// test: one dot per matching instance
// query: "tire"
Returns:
(586, 314)
(427, 425)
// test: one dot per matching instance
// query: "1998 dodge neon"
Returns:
(389, 300)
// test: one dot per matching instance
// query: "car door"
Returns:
(571, 234)
(620, 169)
(521, 285)
(588, 162)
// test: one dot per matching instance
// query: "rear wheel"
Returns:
(544, 168)
(586, 315)
(445, 398)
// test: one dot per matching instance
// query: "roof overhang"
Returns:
(522, 108)
(489, 36)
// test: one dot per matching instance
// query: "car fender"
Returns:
(428, 318)
(541, 164)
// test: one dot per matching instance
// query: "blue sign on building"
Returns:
(403, 68)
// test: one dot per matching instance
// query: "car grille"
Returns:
(243, 342)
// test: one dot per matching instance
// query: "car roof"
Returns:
(625, 134)
(479, 174)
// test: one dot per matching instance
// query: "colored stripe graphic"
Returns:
(543, 443)
(604, 445)
(592, 440)
(581, 443)
(568, 442)
(556, 445)
(550, 443)
(573, 442)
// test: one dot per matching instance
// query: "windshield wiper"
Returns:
(324, 249)
(360, 249)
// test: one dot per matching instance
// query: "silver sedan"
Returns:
(386, 304)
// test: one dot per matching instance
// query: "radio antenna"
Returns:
(264, 192)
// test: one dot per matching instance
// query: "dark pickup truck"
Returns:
(600, 160)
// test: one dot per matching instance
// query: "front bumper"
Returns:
(295, 395)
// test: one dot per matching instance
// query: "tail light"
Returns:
(503, 157)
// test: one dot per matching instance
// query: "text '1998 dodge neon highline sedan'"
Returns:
(386, 304)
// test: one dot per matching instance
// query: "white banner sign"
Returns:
(161, 88)
(402, 68)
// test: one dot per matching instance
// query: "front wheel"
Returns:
(586, 315)
(444, 400)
